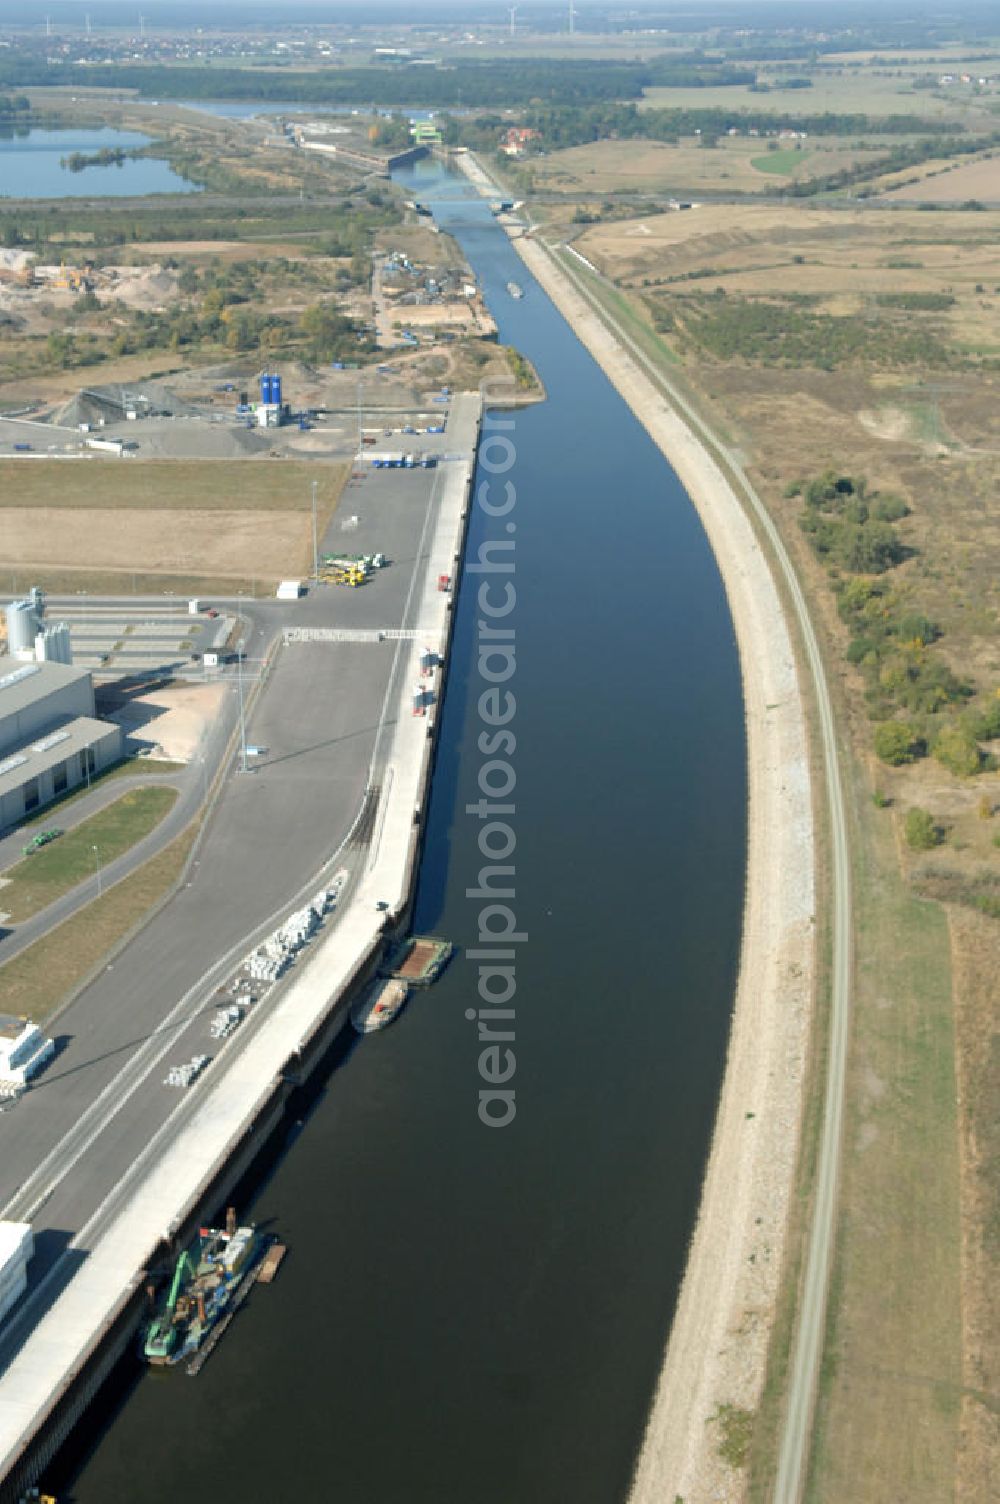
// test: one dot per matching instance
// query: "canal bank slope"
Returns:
(716, 1357)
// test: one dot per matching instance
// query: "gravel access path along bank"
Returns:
(717, 1351)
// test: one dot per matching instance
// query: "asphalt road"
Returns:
(807, 1352)
(323, 717)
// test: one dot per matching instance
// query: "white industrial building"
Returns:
(24, 1049)
(49, 739)
(16, 1247)
(28, 637)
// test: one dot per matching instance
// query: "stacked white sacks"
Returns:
(183, 1075)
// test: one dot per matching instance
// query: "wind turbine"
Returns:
(572, 18)
(512, 12)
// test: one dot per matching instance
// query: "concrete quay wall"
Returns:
(87, 1328)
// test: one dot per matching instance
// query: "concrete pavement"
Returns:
(87, 1282)
(322, 716)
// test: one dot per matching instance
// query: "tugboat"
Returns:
(379, 1006)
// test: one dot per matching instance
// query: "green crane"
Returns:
(162, 1334)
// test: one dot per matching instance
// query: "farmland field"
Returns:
(866, 91)
(955, 185)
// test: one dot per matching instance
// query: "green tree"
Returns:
(869, 548)
(894, 743)
(329, 333)
(957, 751)
(921, 832)
(984, 723)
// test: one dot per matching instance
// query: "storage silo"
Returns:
(53, 645)
(265, 388)
(22, 624)
(65, 642)
(276, 390)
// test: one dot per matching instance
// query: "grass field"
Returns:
(177, 525)
(37, 981)
(780, 162)
(167, 485)
(735, 164)
(37, 880)
(835, 262)
(892, 1381)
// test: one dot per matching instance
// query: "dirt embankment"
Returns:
(717, 1352)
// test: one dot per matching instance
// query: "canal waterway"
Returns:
(32, 165)
(472, 1315)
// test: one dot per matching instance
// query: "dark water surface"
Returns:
(476, 1316)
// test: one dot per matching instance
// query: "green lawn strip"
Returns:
(622, 308)
(133, 767)
(784, 162)
(36, 982)
(36, 880)
(63, 579)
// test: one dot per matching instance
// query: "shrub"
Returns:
(862, 648)
(915, 627)
(890, 508)
(921, 832)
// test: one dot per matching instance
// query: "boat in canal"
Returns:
(379, 1006)
(211, 1279)
(420, 960)
(514, 290)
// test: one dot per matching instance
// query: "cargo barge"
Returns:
(420, 960)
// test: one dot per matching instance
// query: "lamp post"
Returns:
(97, 858)
(315, 537)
